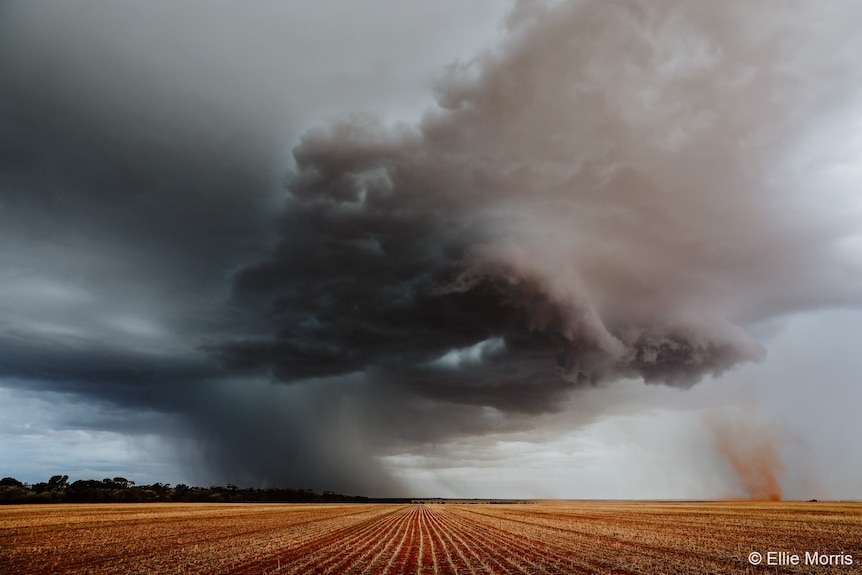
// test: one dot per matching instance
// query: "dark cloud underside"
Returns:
(608, 195)
(617, 190)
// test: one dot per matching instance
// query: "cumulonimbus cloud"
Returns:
(617, 190)
(620, 190)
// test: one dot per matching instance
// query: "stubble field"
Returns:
(565, 538)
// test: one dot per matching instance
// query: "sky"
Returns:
(526, 249)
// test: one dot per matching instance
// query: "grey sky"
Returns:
(398, 246)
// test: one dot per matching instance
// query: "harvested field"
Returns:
(565, 538)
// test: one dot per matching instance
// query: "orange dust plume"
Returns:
(750, 447)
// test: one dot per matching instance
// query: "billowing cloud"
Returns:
(617, 190)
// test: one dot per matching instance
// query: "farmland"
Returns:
(567, 538)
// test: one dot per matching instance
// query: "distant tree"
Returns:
(13, 491)
(87, 491)
(58, 482)
(119, 489)
(14, 494)
(162, 490)
(117, 483)
(181, 492)
(40, 487)
(122, 482)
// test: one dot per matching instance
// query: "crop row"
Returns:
(564, 538)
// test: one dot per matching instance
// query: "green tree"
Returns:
(58, 482)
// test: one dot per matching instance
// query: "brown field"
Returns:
(567, 538)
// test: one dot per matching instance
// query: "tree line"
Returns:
(58, 489)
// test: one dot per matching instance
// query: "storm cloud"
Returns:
(616, 190)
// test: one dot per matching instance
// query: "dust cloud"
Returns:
(751, 449)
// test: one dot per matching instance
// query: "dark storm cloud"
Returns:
(619, 190)
(136, 176)
(81, 176)
(126, 203)
(610, 194)
(118, 238)
(314, 435)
